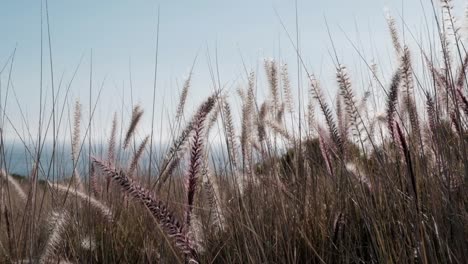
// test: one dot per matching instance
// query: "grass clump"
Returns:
(353, 186)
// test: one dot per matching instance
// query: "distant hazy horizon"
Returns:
(19, 159)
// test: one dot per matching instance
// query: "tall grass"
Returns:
(372, 188)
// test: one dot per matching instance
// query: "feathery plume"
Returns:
(137, 156)
(213, 117)
(170, 225)
(409, 164)
(464, 101)
(461, 74)
(450, 24)
(172, 159)
(241, 94)
(230, 132)
(374, 70)
(246, 126)
(76, 132)
(437, 75)
(360, 177)
(280, 114)
(317, 92)
(363, 103)
(58, 223)
(212, 191)
(112, 140)
(183, 97)
(349, 100)
(136, 116)
(196, 156)
(177, 149)
(271, 69)
(99, 206)
(288, 98)
(392, 102)
(431, 112)
(310, 109)
(88, 243)
(196, 233)
(464, 33)
(407, 86)
(95, 188)
(261, 132)
(448, 36)
(279, 129)
(18, 189)
(342, 118)
(76, 145)
(325, 153)
(393, 32)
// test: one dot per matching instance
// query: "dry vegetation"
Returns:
(350, 186)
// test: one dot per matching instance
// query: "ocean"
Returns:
(18, 159)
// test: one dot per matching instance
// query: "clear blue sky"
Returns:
(121, 31)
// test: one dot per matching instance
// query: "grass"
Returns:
(352, 186)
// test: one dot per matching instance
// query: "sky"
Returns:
(113, 43)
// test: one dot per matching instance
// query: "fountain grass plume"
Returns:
(168, 222)
(103, 209)
(196, 156)
(136, 116)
